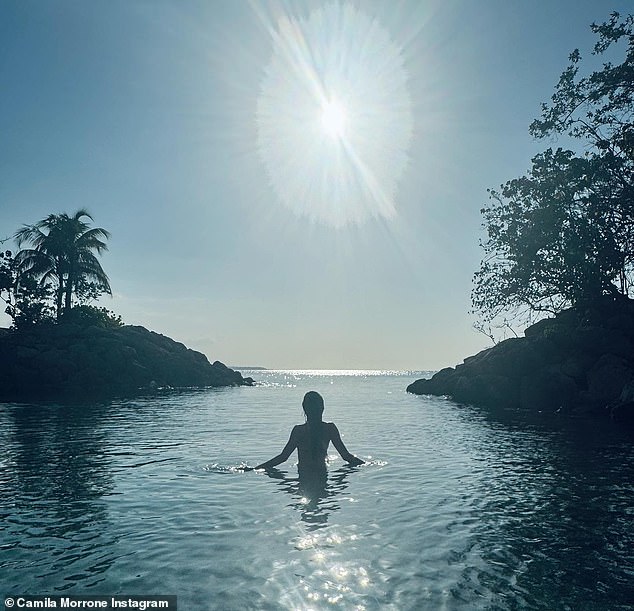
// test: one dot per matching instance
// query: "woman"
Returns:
(312, 439)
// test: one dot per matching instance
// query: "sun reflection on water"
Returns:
(328, 576)
(324, 568)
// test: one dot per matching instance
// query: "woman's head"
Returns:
(313, 405)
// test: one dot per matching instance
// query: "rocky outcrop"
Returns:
(53, 361)
(580, 361)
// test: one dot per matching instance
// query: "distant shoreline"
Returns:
(348, 371)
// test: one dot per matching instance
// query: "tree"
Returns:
(87, 315)
(7, 276)
(62, 253)
(564, 232)
(28, 303)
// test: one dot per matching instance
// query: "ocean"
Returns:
(455, 508)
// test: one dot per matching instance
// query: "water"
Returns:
(455, 510)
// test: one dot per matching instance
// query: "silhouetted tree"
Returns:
(87, 315)
(27, 303)
(7, 276)
(62, 254)
(564, 232)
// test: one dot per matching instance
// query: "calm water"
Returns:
(455, 510)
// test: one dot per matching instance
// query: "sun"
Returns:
(334, 119)
(334, 115)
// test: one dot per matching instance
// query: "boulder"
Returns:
(538, 328)
(608, 378)
(442, 383)
(548, 390)
(623, 413)
(486, 389)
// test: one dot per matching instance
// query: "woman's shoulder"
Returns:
(300, 428)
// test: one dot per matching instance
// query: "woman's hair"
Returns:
(313, 405)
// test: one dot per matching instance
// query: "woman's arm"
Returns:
(335, 437)
(283, 455)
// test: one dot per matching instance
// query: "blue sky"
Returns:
(145, 113)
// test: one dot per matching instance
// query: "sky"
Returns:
(245, 223)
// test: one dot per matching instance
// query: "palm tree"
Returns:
(63, 252)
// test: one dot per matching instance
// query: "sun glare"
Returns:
(325, 66)
(333, 119)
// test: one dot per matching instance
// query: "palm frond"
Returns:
(91, 239)
(30, 233)
(81, 213)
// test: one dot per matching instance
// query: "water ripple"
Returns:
(455, 508)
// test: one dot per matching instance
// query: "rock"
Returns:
(623, 413)
(423, 386)
(548, 390)
(538, 328)
(67, 359)
(627, 394)
(608, 378)
(582, 360)
(576, 366)
(440, 384)
(486, 389)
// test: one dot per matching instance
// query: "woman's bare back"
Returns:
(312, 443)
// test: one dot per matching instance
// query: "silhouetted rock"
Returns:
(582, 360)
(548, 389)
(70, 360)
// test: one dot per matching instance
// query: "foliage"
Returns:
(86, 315)
(28, 303)
(564, 232)
(7, 278)
(31, 304)
(86, 291)
(62, 255)
(6, 271)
